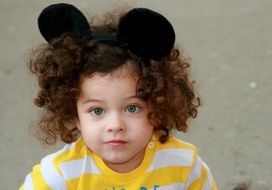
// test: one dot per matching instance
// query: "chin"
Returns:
(116, 160)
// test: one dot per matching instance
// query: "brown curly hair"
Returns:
(60, 66)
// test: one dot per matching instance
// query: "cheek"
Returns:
(91, 137)
(91, 131)
(88, 129)
(143, 127)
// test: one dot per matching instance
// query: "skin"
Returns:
(112, 120)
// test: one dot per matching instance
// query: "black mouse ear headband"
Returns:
(146, 33)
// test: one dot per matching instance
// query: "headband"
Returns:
(145, 33)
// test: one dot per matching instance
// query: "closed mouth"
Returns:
(116, 142)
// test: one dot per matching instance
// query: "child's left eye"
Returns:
(133, 109)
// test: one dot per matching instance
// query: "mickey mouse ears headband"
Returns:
(146, 33)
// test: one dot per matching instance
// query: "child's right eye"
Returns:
(97, 111)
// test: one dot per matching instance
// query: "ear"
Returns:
(147, 33)
(59, 19)
(77, 122)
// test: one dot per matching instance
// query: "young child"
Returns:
(114, 93)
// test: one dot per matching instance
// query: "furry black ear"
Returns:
(58, 19)
(148, 34)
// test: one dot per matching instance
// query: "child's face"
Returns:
(113, 122)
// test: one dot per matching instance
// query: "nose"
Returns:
(116, 123)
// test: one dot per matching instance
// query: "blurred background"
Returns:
(230, 45)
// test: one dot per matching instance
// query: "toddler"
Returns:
(113, 93)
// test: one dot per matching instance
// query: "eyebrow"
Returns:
(92, 100)
(97, 100)
(131, 97)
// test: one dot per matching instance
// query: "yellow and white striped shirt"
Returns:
(174, 165)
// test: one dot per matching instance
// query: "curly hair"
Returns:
(60, 66)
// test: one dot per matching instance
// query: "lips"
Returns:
(116, 142)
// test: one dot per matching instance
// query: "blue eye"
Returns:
(133, 109)
(97, 111)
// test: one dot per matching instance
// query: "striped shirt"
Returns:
(174, 165)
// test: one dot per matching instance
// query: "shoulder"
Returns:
(65, 161)
(194, 172)
(48, 174)
(178, 143)
(69, 152)
(175, 152)
(179, 149)
(198, 174)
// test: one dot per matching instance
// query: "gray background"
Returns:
(230, 45)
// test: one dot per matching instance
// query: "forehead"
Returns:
(123, 79)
